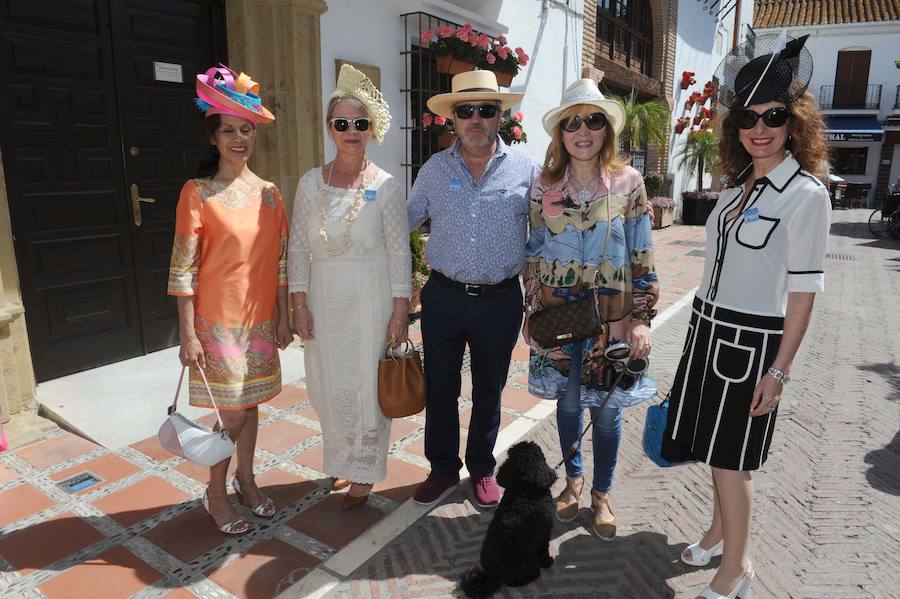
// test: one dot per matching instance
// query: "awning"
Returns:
(835, 179)
(841, 128)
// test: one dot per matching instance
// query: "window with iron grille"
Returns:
(624, 33)
(421, 82)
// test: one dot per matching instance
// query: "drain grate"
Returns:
(695, 244)
(836, 256)
(79, 482)
(696, 253)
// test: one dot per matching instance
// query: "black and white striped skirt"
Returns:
(725, 355)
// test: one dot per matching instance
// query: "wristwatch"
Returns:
(778, 375)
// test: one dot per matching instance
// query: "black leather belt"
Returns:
(475, 290)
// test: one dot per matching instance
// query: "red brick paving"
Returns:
(267, 566)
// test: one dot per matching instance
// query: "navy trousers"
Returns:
(489, 325)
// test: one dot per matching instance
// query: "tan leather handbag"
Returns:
(401, 383)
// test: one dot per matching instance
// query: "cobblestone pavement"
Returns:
(140, 526)
(827, 509)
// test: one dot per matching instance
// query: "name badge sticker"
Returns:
(455, 185)
(370, 195)
(751, 215)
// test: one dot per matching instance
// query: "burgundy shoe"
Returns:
(435, 488)
(486, 491)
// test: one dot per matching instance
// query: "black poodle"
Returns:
(517, 544)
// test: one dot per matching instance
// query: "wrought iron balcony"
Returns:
(860, 97)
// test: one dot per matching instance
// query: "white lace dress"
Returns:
(351, 299)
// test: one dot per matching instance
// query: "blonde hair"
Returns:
(557, 159)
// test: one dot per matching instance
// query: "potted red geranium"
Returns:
(440, 126)
(456, 50)
(511, 130)
(504, 61)
(687, 79)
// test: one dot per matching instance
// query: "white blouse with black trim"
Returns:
(774, 246)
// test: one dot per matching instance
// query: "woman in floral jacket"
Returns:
(590, 233)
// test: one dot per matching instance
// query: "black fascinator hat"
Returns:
(765, 68)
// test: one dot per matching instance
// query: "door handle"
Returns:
(136, 200)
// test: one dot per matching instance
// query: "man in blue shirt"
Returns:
(476, 194)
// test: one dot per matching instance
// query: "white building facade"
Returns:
(385, 34)
(856, 80)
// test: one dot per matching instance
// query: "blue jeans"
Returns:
(606, 434)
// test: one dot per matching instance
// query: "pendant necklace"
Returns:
(349, 216)
(587, 191)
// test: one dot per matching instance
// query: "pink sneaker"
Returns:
(486, 491)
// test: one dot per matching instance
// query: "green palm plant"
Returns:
(699, 154)
(645, 122)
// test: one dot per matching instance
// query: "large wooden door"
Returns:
(79, 92)
(851, 78)
(159, 47)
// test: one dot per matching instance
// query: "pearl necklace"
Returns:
(349, 216)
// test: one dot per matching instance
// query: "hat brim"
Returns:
(614, 113)
(223, 101)
(442, 104)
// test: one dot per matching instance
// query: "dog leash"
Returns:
(594, 413)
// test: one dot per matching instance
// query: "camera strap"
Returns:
(594, 413)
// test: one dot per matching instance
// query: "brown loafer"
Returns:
(339, 483)
(567, 503)
(604, 523)
(354, 501)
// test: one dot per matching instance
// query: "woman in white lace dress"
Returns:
(349, 274)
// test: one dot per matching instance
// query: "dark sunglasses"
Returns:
(773, 118)
(342, 124)
(467, 111)
(594, 121)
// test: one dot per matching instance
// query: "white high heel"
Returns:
(238, 527)
(741, 591)
(701, 556)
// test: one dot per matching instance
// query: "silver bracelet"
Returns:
(301, 307)
(778, 375)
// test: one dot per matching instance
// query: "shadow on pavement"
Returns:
(884, 474)
(647, 556)
(861, 231)
(888, 371)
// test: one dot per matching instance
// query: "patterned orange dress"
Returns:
(230, 252)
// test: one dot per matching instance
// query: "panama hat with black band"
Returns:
(472, 86)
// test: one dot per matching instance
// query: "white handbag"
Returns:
(193, 441)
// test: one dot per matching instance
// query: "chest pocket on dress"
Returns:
(756, 234)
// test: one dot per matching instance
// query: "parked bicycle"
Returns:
(886, 220)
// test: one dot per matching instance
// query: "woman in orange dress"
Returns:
(228, 271)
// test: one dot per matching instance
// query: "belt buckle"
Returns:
(473, 290)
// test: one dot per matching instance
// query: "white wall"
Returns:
(696, 50)
(371, 32)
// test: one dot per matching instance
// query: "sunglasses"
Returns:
(467, 111)
(594, 121)
(341, 124)
(773, 118)
(620, 369)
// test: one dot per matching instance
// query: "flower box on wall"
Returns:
(504, 79)
(696, 206)
(449, 65)
(445, 139)
(663, 217)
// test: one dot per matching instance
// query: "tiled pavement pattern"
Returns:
(141, 531)
(827, 510)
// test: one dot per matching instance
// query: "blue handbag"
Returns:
(654, 430)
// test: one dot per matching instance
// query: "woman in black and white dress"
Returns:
(764, 264)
